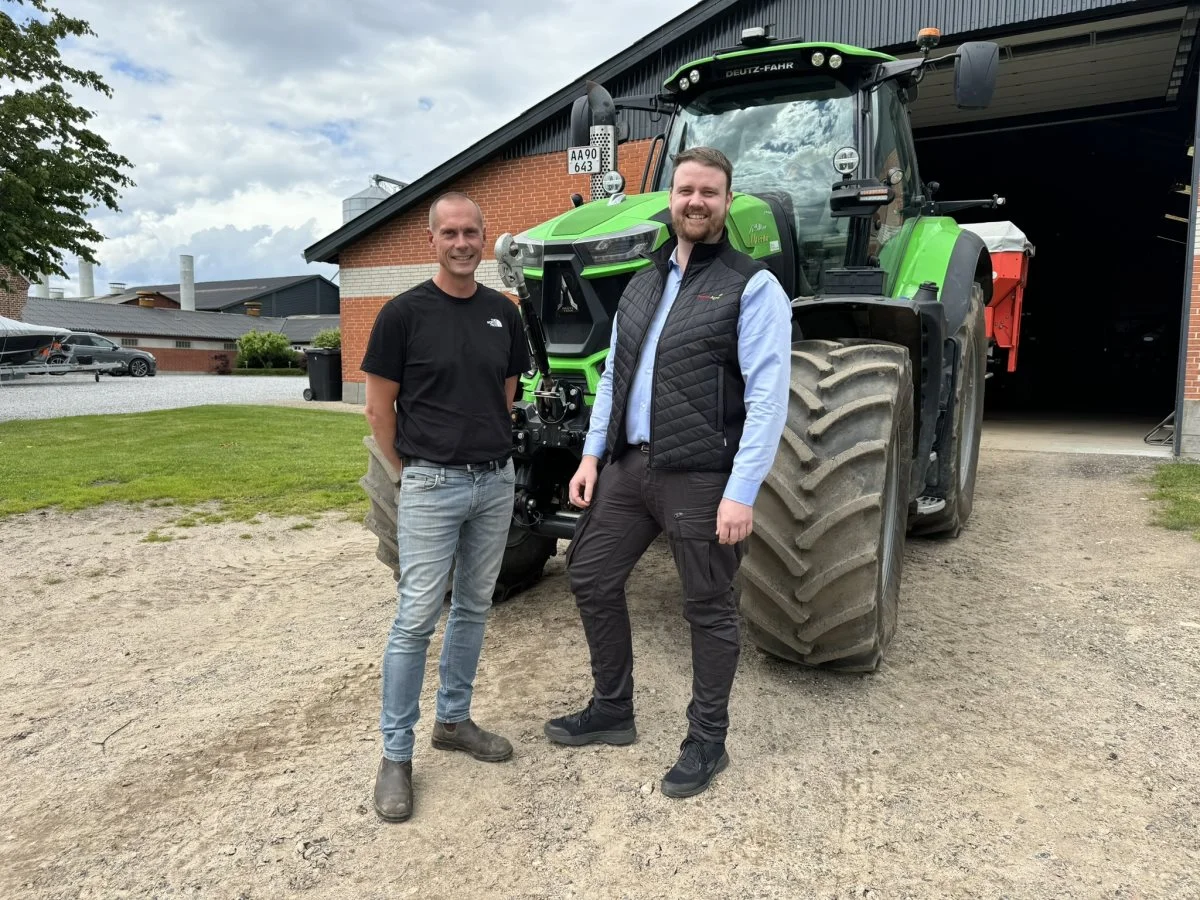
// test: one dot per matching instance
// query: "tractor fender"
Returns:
(969, 262)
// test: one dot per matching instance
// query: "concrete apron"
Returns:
(1071, 434)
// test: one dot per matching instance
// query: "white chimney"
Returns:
(116, 287)
(187, 283)
(41, 287)
(56, 293)
(87, 284)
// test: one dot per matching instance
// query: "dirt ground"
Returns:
(198, 718)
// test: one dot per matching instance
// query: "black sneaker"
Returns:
(697, 766)
(590, 727)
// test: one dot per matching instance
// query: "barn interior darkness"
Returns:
(1101, 327)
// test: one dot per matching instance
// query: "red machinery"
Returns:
(1011, 252)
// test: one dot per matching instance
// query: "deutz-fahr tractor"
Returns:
(889, 342)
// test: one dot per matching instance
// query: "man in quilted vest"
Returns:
(687, 417)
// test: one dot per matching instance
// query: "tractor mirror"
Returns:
(975, 70)
(581, 123)
(596, 107)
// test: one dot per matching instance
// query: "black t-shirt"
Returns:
(450, 357)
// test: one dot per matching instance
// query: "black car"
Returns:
(125, 360)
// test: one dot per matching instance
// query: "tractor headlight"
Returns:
(533, 252)
(620, 247)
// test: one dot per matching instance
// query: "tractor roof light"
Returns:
(684, 83)
(694, 76)
(818, 59)
(835, 61)
(928, 38)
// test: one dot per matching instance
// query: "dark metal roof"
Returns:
(214, 295)
(138, 321)
(302, 329)
(698, 32)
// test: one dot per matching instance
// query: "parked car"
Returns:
(125, 360)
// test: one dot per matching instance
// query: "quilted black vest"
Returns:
(697, 409)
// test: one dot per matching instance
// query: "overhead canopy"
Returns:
(1122, 60)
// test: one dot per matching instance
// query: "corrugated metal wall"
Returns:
(865, 23)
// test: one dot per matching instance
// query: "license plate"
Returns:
(583, 160)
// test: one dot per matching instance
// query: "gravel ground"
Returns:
(199, 717)
(78, 394)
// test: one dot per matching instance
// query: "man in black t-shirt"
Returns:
(442, 366)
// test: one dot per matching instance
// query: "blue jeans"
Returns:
(445, 516)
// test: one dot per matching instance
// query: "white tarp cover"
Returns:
(15, 328)
(1001, 237)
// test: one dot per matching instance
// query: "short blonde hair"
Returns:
(457, 196)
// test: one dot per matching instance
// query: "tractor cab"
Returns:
(826, 183)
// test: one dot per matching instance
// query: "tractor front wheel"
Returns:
(821, 576)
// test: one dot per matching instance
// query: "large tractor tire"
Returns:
(821, 576)
(956, 482)
(525, 554)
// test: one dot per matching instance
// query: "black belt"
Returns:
(492, 465)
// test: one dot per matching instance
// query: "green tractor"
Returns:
(889, 343)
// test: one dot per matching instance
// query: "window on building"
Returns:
(230, 345)
(183, 345)
(129, 342)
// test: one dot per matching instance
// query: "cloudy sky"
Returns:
(248, 122)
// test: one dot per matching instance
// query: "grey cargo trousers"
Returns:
(631, 505)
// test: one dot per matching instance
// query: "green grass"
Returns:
(1177, 488)
(245, 459)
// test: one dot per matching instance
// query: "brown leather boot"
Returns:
(393, 790)
(467, 736)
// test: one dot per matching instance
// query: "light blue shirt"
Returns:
(764, 353)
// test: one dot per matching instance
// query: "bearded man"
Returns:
(687, 418)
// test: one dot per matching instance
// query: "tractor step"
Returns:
(927, 506)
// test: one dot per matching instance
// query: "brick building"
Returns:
(1112, 322)
(181, 341)
(12, 298)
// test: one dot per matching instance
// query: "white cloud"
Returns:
(248, 123)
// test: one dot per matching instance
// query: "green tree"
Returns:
(265, 350)
(53, 169)
(329, 339)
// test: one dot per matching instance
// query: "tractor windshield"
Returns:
(781, 138)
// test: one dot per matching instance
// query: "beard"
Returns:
(698, 231)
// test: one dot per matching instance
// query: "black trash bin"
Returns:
(324, 374)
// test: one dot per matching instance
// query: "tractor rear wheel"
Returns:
(525, 553)
(821, 576)
(957, 480)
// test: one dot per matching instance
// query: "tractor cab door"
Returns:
(894, 162)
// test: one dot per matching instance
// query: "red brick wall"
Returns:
(173, 359)
(12, 301)
(513, 194)
(156, 301)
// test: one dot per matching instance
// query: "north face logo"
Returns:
(495, 323)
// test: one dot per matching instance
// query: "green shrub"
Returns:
(329, 339)
(297, 373)
(265, 350)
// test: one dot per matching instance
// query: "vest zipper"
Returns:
(654, 382)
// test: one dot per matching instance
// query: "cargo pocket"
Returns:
(706, 568)
(580, 525)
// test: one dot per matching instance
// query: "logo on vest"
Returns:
(495, 323)
(709, 296)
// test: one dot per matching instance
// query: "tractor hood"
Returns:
(601, 217)
(610, 237)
